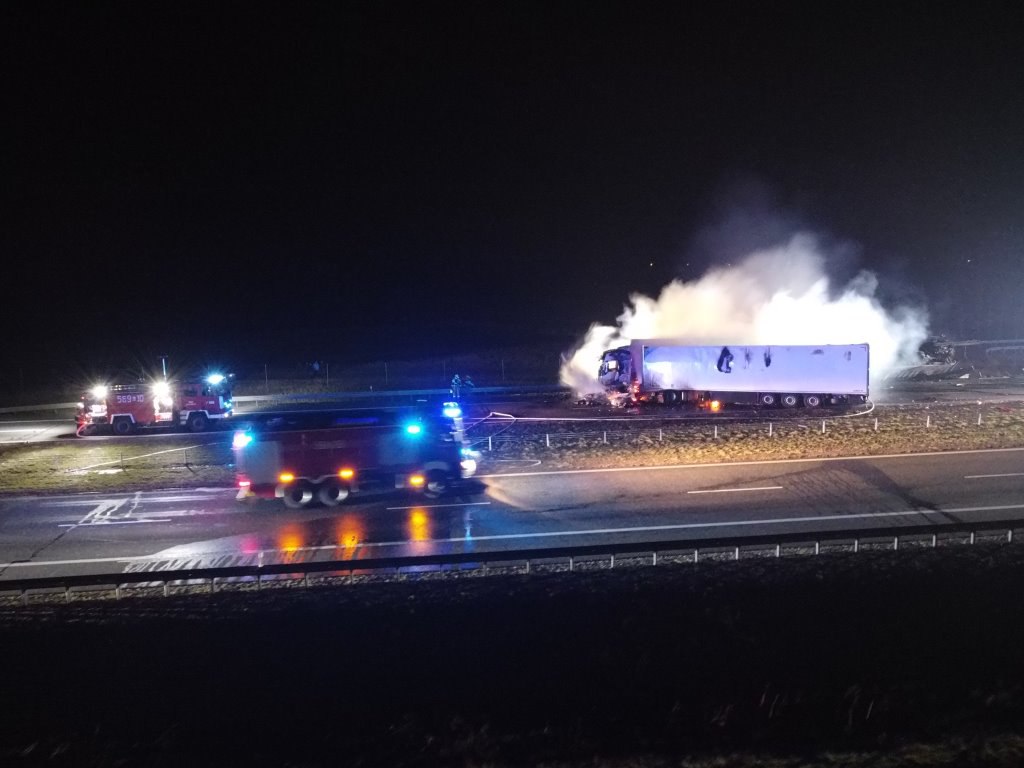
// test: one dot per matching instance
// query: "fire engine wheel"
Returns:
(812, 401)
(198, 422)
(766, 399)
(437, 484)
(123, 426)
(297, 495)
(332, 494)
(791, 401)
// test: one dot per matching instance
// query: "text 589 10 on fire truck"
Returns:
(124, 408)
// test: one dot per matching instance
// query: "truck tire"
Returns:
(438, 483)
(767, 399)
(197, 422)
(332, 493)
(297, 494)
(671, 397)
(812, 401)
(122, 426)
(790, 401)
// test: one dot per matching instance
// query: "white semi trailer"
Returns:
(665, 372)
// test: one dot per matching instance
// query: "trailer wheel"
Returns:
(331, 494)
(297, 494)
(437, 484)
(766, 399)
(197, 422)
(671, 397)
(122, 426)
(812, 401)
(790, 401)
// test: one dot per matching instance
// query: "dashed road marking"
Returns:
(737, 490)
(927, 513)
(113, 522)
(766, 462)
(438, 506)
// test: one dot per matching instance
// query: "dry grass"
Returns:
(95, 465)
(900, 429)
(1005, 749)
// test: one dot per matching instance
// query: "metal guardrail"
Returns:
(33, 408)
(329, 396)
(655, 550)
(442, 392)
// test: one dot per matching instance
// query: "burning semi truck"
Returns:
(710, 377)
(304, 458)
(124, 408)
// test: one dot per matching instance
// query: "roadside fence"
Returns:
(499, 434)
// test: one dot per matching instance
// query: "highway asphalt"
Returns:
(514, 506)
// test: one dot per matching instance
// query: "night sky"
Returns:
(244, 181)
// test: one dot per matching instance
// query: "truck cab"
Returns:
(92, 410)
(616, 370)
(203, 401)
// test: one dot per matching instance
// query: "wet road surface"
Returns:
(517, 508)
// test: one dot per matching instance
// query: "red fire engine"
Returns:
(307, 458)
(124, 408)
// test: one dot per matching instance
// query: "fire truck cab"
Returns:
(201, 402)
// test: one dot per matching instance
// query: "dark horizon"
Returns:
(240, 182)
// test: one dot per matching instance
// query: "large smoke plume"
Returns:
(781, 295)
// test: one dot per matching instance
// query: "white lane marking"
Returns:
(112, 522)
(147, 499)
(26, 429)
(103, 510)
(438, 506)
(662, 467)
(82, 561)
(727, 524)
(1004, 474)
(681, 419)
(736, 490)
(89, 497)
(546, 534)
(101, 515)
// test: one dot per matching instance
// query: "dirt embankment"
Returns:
(880, 658)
